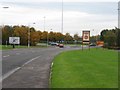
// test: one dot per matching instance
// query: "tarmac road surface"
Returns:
(29, 68)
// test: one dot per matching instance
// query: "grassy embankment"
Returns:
(96, 68)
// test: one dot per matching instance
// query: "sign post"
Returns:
(14, 40)
(86, 38)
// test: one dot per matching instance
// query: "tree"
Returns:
(76, 37)
(7, 31)
(102, 35)
(44, 36)
(68, 38)
(110, 38)
(22, 32)
(34, 38)
(39, 35)
(51, 36)
(59, 37)
(118, 36)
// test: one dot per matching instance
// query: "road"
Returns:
(29, 68)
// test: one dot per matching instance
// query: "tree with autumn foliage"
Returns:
(35, 36)
(7, 31)
(44, 36)
(22, 32)
(68, 38)
(59, 37)
(51, 36)
(76, 37)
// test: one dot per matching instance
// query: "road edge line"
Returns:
(14, 70)
(10, 73)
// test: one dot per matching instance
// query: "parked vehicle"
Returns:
(54, 44)
(61, 45)
(92, 44)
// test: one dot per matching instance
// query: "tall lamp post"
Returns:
(5, 7)
(119, 14)
(62, 19)
(44, 30)
(48, 38)
(95, 35)
(44, 22)
(29, 35)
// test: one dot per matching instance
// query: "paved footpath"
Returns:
(36, 73)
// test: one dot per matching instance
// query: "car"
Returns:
(54, 44)
(61, 45)
(92, 44)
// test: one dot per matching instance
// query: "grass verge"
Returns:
(4, 47)
(96, 68)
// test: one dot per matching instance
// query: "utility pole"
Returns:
(62, 23)
(29, 34)
(44, 22)
(119, 14)
(28, 37)
(5, 7)
(47, 32)
(62, 19)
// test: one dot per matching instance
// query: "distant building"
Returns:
(119, 14)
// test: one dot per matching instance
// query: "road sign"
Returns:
(86, 36)
(14, 40)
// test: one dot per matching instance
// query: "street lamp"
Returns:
(62, 22)
(62, 19)
(44, 30)
(119, 14)
(5, 7)
(95, 35)
(48, 38)
(29, 35)
(44, 22)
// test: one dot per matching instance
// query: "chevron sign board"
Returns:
(14, 40)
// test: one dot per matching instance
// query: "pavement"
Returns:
(29, 68)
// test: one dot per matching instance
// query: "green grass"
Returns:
(0, 46)
(4, 47)
(96, 68)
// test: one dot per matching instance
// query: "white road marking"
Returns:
(9, 73)
(33, 51)
(14, 70)
(30, 61)
(17, 53)
(51, 71)
(6, 56)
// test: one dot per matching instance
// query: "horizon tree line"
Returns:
(111, 37)
(36, 36)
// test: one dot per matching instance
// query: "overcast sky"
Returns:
(78, 14)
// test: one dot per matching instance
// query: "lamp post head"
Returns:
(5, 7)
